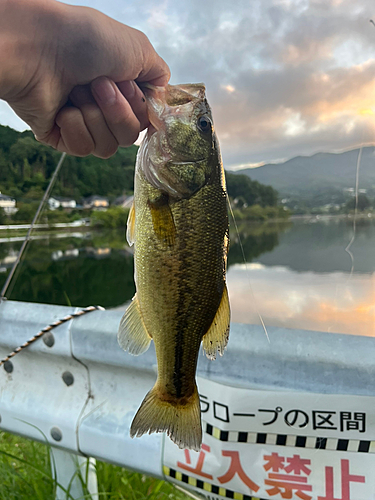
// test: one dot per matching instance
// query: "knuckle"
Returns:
(92, 113)
(68, 117)
(129, 139)
(84, 148)
(143, 39)
(121, 119)
(106, 153)
(79, 144)
(76, 136)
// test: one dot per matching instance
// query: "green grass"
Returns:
(25, 474)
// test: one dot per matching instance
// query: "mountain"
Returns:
(323, 172)
(26, 167)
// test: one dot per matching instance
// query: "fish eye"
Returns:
(204, 123)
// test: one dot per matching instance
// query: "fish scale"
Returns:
(180, 247)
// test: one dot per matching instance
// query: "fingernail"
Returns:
(104, 90)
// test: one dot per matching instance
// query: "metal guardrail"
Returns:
(81, 390)
(14, 227)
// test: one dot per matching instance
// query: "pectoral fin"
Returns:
(130, 230)
(216, 339)
(162, 220)
(132, 334)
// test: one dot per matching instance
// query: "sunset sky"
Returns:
(283, 77)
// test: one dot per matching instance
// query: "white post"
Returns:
(70, 471)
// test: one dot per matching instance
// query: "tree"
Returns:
(26, 167)
(113, 217)
(26, 212)
(3, 217)
(363, 203)
(252, 192)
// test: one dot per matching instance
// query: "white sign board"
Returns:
(278, 445)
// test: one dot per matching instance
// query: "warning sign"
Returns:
(278, 445)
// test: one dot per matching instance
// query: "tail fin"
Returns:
(181, 422)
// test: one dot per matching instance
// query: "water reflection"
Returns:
(256, 239)
(319, 245)
(309, 280)
(95, 268)
(332, 302)
(298, 274)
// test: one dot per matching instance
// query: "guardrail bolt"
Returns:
(48, 339)
(8, 366)
(56, 434)
(68, 378)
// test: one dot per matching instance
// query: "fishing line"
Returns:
(247, 271)
(16, 268)
(347, 248)
(28, 236)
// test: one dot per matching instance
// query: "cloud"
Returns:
(284, 77)
(301, 72)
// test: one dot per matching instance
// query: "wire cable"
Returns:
(49, 328)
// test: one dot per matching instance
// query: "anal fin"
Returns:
(132, 334)
(216, 339)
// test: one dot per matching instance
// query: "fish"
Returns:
(178, 224)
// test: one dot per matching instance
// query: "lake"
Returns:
(297, 274)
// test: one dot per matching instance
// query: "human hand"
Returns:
(58, 68)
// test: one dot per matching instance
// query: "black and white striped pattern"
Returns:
(310, 442)
(205, 486)
(49, 328)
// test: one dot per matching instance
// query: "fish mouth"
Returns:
(164, 105)
(170, 100)
(145, 86)
(155, 97)
(151, 130)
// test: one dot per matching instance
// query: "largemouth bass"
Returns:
(179, 227)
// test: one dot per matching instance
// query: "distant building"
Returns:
(98, 253)
(8, 204)
(123, 201)
(95, 201)
(351, 191)
(57, 202)
(68, 254)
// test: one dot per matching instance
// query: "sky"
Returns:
(283, 77)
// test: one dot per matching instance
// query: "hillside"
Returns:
(26, 166)
(304, 176)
